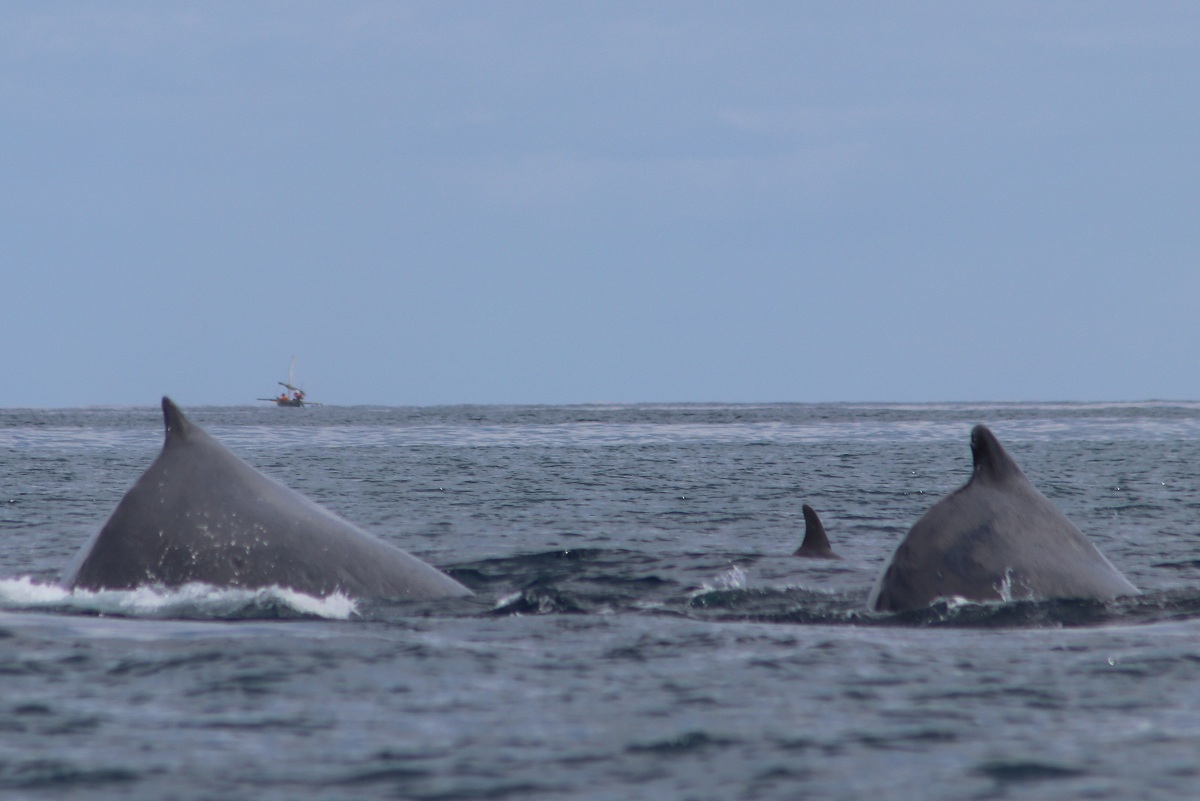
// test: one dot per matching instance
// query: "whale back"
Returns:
(995, 538)
(201, 514)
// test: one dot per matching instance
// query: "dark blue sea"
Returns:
(640, 628)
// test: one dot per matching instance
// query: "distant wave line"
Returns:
(589, 434)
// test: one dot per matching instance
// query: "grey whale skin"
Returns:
(201, 514)
(995, 533)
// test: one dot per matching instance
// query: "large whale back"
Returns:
(201, 514)
(995, 538)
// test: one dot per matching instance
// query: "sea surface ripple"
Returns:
(639, 629)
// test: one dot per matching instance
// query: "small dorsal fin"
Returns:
(178, 426)
(992, 462)
(816, 542)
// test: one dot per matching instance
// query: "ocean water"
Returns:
(639, 629)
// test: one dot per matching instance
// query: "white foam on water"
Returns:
(735, 578)
(732, 579)
(1006, 586)
(190, 601)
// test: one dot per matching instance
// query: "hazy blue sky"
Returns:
(573, 202)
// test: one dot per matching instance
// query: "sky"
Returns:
(599, 202)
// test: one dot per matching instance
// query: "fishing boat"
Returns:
(292, 395)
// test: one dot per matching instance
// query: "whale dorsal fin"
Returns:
(816, 542)
(178, 426)
(992, 462)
